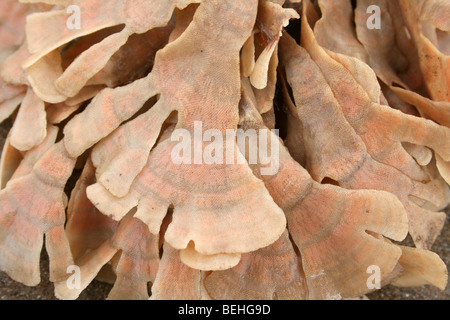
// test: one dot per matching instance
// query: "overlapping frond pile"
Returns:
(88, 170)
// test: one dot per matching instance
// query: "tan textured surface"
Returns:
(11, 290)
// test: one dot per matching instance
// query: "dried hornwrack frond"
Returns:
(363, 158)
(371, 133)
(209, 199)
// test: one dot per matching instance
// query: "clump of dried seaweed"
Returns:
(364, 154)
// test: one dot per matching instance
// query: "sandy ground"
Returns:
(11, 290)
